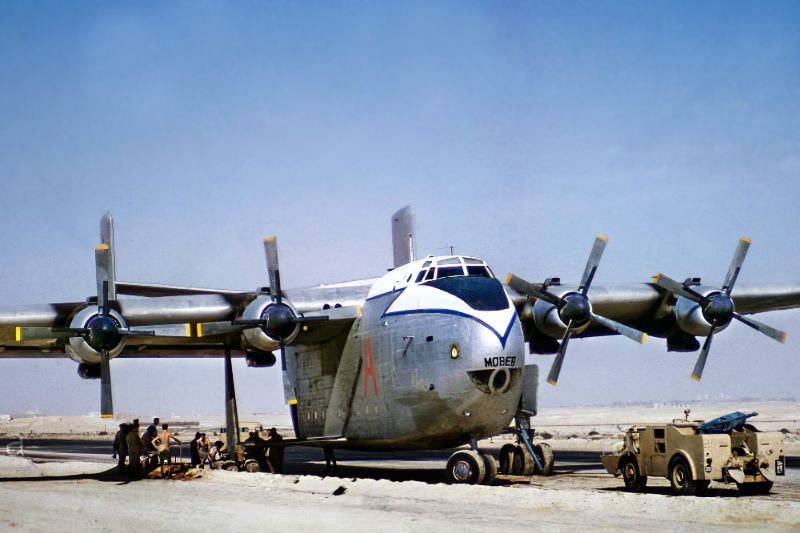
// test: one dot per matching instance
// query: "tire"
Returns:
(523, 462)
(761, 487)
(465, 467)
(490, 466)
(230, 466)
(252, 467)
(545, 455)
(680, 477)
(507, 459)
(633, 478)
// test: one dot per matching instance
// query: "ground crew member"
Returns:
(202, 450)
(193, 450)
(161, 444)
(121, 448)
(134, 449)
(149, 434)
(274, 454)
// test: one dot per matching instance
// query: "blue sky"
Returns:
(517, 131)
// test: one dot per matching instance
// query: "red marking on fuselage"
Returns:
(369, 369)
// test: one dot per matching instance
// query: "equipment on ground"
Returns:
(692, 454)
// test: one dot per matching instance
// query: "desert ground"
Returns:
(75, 488)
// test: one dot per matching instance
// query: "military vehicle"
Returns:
(692, 454)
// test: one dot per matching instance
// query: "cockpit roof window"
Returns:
(472, 261)
(449, 272)
(426, 264)
(449, 261)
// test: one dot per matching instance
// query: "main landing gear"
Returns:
(522, 459)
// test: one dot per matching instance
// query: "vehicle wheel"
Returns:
(252, 466)
(545, 455)
(465, 467)
(523, 462)
(762, 487)
(230, 466)
(680, 477)
(507, 459)
(634, 480)
(490, 466)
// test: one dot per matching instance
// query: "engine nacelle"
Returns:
(256, 336)
(89, 371)
(79, 350)
(547, 320)
(258, 359)
(691, 319)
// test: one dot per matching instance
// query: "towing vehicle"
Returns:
(692, 454)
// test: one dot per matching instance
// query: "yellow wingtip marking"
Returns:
(508, 278)
(552, 382)
(358, 310)
(657, 277)
(292, 402)
(746, 239)
(106, 416)
(644, 338)
(101, 247)
(602, 237)
(188, 330)
(783, 339)
(18, 333)
(696, 378)
(199, 330)
(269, 239)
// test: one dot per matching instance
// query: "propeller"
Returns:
(279, 319)
(718, 307)
(574, 308)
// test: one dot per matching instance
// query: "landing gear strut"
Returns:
(525, 458)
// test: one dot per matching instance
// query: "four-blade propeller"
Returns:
(574, 308)
(718, 307)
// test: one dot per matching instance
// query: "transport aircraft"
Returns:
(430, 355)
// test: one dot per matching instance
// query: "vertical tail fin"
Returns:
(403, 236)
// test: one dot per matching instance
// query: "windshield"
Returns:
(480, 293)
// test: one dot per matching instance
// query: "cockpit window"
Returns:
(420, 276)
(478, 270)
(426, 264)
(448, 272)
(472, 261)
(449, 261)
(429, 275)
(480, 293)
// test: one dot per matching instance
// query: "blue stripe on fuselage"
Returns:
(502, 338)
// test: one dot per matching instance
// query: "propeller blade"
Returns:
(736, 265)
(665, 282)
(592, 263)
(106, 400)
(531, 289)
(104, 275)
(136, 332)
(697, 373)
(622, 329)
(271, 251)
(107, 238)
(37, 333)
(555, 370)
(770, 332)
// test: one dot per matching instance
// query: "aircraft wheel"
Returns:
(634, 480)
(762, 487)
(507, 459)
(230, 466)
(680, 477)
(252, 466)
(523, 462)
(545, 455)
(490, 465)
(465, 467)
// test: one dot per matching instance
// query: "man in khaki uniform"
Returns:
(134, 441)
